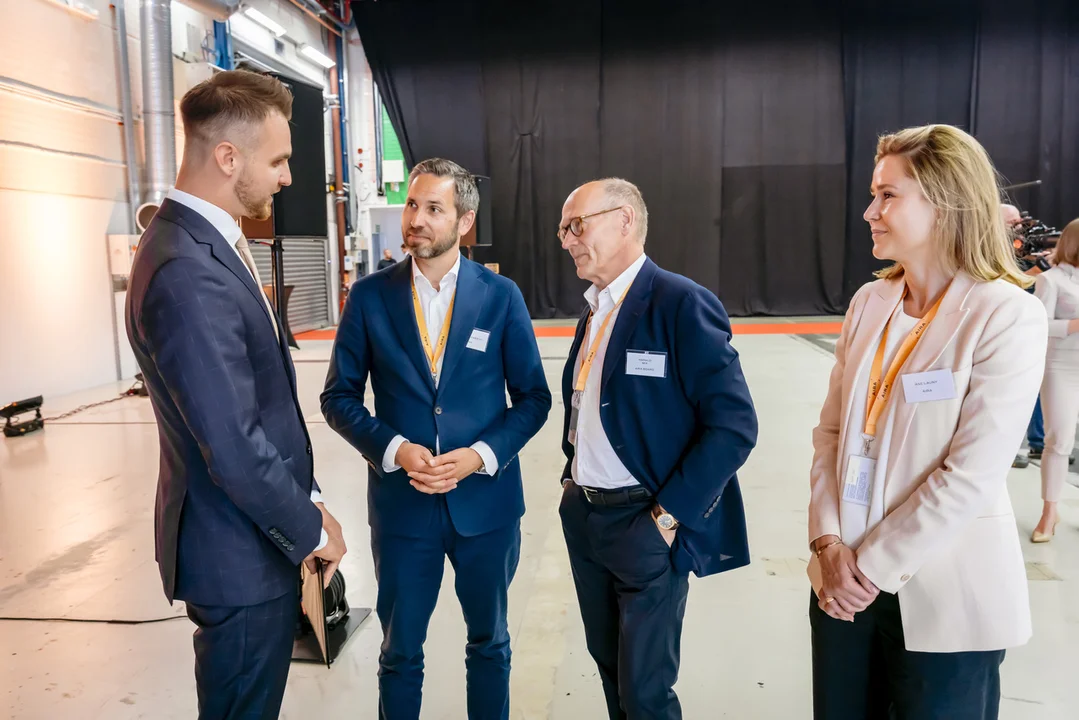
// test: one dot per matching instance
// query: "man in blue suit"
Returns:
(238, 508)
(658, 420)
(442, 339)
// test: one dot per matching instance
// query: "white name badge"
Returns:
(478, 341)
(934, 385)
(646, 364)
(859, 483)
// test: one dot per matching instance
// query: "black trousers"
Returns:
(242, 657)
(862, 671)
(632, 603)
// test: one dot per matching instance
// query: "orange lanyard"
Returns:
(880, 391)
(433, 353)
(586, 364)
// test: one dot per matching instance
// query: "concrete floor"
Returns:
(76, 532)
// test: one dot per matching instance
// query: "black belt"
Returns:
(619, 497)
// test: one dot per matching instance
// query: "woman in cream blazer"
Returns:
(918, 577)
(1058, 289)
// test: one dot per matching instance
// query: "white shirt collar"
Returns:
(449, 280)
(614, 291)
(221, 220)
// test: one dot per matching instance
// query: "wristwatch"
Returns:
(663, 518)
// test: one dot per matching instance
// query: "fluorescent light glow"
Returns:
(78, 8)
(264, 21)
(312, 54)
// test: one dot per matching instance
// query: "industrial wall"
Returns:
(63, 186)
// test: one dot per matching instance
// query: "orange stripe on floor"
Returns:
(567, 331)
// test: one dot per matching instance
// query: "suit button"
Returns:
(308, 449)
(708, 514)
(438, 411)
(904, 578)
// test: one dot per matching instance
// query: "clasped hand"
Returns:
(850, 591)
(435, 475)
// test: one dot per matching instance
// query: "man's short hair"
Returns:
(214, 109)
(623, 192)
(466, 196)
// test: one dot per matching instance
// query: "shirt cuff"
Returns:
(323, 539)
(389, 460)
(316, 496)
(490, 462)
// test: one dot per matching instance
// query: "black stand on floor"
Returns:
(277, 267)
(305, 647)
(327, 607)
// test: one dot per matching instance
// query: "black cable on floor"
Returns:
(91, 620)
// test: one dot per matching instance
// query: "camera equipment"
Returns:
(336, 622)
(22, 407)
(1032, 236)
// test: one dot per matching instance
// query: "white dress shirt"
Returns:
(436, 304)
(1058, 289)
(856, 520)
(230, 230)
(595, 463)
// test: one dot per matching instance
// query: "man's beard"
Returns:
(254, 207)
(437, 248)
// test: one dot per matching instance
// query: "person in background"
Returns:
(658, 419)
(238, 507)
(1036, 429)
(387, 259)
(1058, 289)
(919, 585)
(443, 340)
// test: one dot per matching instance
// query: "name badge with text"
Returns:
(933, 385)
(646, 364)
(859, 484)
(478, 341)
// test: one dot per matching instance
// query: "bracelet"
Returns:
(819, 550)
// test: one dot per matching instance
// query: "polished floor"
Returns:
(76, 531)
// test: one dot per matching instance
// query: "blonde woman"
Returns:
(917, 570)
(1058, 289)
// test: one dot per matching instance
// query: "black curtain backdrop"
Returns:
(751, 132)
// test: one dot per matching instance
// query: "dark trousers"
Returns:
(1036, 428)
(632, 603)
(862, 671)
(242, 657)
(409, 575)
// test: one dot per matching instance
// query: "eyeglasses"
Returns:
(576, 225)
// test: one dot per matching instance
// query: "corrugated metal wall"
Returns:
(307, 264)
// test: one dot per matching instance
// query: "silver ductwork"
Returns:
(159, 119)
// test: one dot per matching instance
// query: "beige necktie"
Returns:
(249, 261)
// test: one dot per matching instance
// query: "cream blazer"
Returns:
(1058, 289)
(948, 543)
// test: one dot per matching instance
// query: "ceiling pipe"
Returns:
(159, 118)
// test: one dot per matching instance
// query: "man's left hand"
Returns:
(668, 535)
(464, 462)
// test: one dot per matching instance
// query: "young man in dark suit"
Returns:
(442, 339)
(238, 508)
(658, 420)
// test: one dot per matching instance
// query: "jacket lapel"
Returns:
(468, 300)
(938, 336)
(397, 295)
(876, 314)
(633, 306)
(205, 233)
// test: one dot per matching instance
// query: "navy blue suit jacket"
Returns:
(234, 516)
(685, 435)
(378, 337)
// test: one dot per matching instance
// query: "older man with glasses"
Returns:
(658, 420)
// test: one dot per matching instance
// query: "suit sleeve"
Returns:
(823, 483)
(195, 333)
(346, 382)
(1046, 291)
(711, 377)
(527, 385)
(1006, 375)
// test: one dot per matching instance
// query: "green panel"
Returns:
(391, 150)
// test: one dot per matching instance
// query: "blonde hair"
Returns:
(957, 177)
(1068, 245)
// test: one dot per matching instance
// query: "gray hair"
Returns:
(466, 196)
(623, 192)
